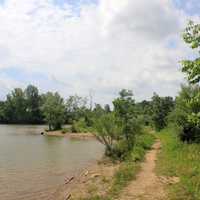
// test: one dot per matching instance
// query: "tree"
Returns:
(33, 104)
(75, 108)
(107, 108)
(2, 112)
(54, 110)
(191, 36)
(124, 108)
(145, 112)
(15, 107)
(161, 107)
(186, 113)
(108, 132)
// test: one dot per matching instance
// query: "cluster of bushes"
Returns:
(186, 114)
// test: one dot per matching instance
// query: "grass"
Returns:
(128, 169)
(181, 160)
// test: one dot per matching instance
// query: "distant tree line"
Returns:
(29, 107)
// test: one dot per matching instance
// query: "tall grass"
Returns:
(181, 160)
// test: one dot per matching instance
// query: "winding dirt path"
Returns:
(147, 185)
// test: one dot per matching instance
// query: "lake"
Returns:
(32, 166)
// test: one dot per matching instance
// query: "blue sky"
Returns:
(190, 7)
(106, 45)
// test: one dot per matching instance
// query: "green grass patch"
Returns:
(181, 160)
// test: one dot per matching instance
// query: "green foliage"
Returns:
(191, 36)
(143, 142)
(15, 106)
(125, 110)
(123, 176)
(33, 102)
(21, 106)
(145, 112)
(80, 126)
(161, 107)
(66, 130)
(53, 109)
(181, 160)
(75, 108)
(108, 131)
(186, 113)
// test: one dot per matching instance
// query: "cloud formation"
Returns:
(102, 46)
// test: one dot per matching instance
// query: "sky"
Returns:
(98, 46)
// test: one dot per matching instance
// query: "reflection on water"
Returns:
(32, 165)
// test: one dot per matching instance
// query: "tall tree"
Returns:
(16, 107)
(33, 104)
(54, 110)
(124, 108)
(75, 108)
(161, 107)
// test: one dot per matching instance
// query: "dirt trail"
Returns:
(147, 185)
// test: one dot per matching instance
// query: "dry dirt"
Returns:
(147, 185)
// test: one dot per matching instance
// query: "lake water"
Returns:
(32, 166)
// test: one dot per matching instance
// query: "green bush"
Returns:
(120, 150)
(79, 126)
(66, 130)
(143, 143)
(187, 113)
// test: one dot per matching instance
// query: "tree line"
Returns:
(29, 107)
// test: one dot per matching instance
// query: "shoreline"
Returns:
(70, 135)
(95, 178)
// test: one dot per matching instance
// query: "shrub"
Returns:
(108, 132)
(79, 126)
(187, 113)
(66, 130)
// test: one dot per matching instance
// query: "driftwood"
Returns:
(86, 173)
(69, 180)
(95, 175)
(68, 197)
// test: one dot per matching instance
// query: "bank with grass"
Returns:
(182, 160)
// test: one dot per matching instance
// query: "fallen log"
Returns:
(68, 197)
(69, 180)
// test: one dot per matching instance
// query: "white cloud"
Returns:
(114, 44)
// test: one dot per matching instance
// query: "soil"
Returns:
(96, 179)
(147, 186)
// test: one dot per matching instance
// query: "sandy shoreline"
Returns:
(95, 178)
(70, 135)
